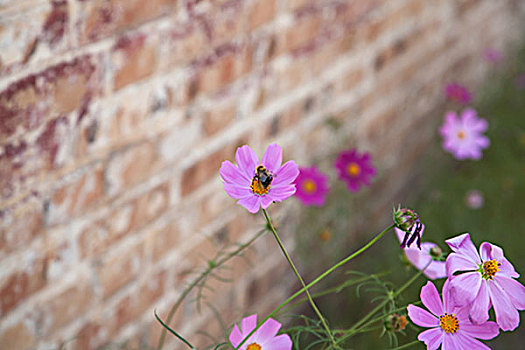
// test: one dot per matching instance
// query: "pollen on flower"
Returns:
(309, 186)
(254, 346)
(449, 323)
(353, 169)
(490, 268)
(461, 135)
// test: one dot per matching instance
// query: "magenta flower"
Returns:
(458, 93)
(355, 169)
(264, 338)
(488, 279)
(492, 55)
(258, 185)
(449, 325)
(463, 137)
(312, 186)
(420, 258)
(474, 199)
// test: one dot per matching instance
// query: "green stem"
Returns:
(393, 295)
(318, 279)
(199, 279)
(406, 346)
(292, 265)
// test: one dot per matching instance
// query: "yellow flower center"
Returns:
(254, 346)
(309, 186)
(490, 268)
(353, 169)
(258, 188)
(461, 135)
(449, 323)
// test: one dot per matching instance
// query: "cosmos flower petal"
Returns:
(273, 157)
(465, 287)
(436, 270)
(507, 317)
(286, 173)
(487, 330)
(431, 337)
(430, 298)
(422, 317)
(355, 169)
(279, 194)
(248, 324)
(463, 341)
(251, 203)
(463, 245)
(514, 289)
(450, 342)
(231, 174)
(456, 262)
(266, 201)
(235, 336)
(281, 342)
(269, 329)
(237, 192)
(246, 160)
(479, 310)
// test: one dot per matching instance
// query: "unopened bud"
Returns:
(435, 252)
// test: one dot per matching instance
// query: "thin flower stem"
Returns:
(393, 295)
(407, 345)
(317, 280)
(201, 278)
(292, 265)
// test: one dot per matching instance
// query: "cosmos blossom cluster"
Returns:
(258, 184)
(475, 281)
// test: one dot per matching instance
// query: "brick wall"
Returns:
(116, 114)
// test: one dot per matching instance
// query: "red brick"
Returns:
(105, 17)
(20, 223)
(94, 238)
(134, 58)
(131, 166)
(150, 205)
(33, 29)
(259, 13)
(20, 284)
(161, 240)
(120, 267)
(201, 172)
(55, 91)
(77, 194)
(67, 305)
(182, 44)
(17, 337)
(134, 305)
(218, 118)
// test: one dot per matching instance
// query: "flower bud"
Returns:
(405, 219)
(435, 252)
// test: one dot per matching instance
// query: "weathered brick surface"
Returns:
(115, 116)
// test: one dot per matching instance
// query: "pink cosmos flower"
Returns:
(421, 257)
(458, 93)
(474, 199)
(258, 185)
(312, 186)
(355, 169)
(492, 55)
(463, 137)
(264, 338)
(488, 279)
(449, 325)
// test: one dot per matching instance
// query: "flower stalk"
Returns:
(292, 265)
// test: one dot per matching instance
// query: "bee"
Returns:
(263, 176)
